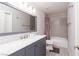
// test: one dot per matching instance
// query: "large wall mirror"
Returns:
(14, 20)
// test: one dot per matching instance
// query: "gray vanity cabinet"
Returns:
(38, 51)
(30, 50)
(19, 53)
(38, 48)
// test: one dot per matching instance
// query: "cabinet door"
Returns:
(19, 53)
(37, 51)
(44, 47)
(40, 48)
(30, 50)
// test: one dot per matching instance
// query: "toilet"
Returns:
(49, 45)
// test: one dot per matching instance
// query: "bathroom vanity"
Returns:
(37, 48)
(34, 46)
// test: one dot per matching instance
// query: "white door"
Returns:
(8, 21)
(2, 22)
(5, 22)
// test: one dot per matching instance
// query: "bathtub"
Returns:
(58, 42)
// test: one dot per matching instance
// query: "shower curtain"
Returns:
(47, 26)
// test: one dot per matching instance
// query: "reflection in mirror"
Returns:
(5, 21)
(15, 20)
(33, 23)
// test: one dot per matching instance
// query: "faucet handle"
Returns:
(23, 37)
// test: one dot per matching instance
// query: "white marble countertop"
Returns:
(11, 47)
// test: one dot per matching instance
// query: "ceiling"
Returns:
(50, 7)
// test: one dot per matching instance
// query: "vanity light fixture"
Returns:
(25, 6)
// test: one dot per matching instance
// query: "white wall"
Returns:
(40, 22)
(77, 22)
(71, 27)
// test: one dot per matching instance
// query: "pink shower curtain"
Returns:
(47, 27)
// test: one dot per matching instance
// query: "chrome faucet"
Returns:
(23, 37)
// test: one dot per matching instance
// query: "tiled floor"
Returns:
(63, 52)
